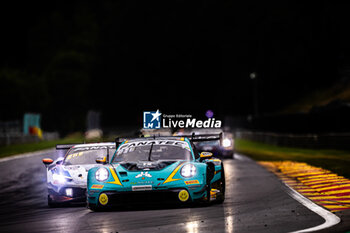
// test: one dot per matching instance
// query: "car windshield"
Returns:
(153, 150)
(207, 143)
(86, 155)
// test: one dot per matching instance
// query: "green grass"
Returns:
(337, 161)
(30, 147)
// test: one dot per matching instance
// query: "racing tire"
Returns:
(51, 203)
(221, 197)
(94, 208)
(210, 175)
(206, 200)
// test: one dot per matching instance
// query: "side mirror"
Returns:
(102, 159)
(47, 161)
(206, 155)
(59, 161)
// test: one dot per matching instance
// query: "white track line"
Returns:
(20, 156)
(330, 218)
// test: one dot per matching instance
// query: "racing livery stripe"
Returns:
(170, 177)
(115, 177)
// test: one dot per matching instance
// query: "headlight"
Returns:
(188, 170)
(101, 174)
(226, 142)
(69, 192)
(58, 179)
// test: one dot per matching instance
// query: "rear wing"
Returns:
(62, 149)
(203, 137)
(118, 141)
(192, 137)
(66, 146)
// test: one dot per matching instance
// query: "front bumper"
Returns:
(78, 195)
(167, 196)
(143, 197)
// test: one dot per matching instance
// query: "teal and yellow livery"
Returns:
(159, 169)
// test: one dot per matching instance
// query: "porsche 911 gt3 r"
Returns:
(66, 177)
(156, 169)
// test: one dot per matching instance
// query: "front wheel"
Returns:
(51, 203)
(222, 186)
(205, 201)
(93, 207)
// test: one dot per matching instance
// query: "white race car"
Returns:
(67, 176)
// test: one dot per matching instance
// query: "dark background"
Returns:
(63, 58)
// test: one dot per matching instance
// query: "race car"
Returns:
(154, 132)
(159, 169)
(66, 176)
(224, 148)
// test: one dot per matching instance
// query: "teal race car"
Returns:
(156, 169)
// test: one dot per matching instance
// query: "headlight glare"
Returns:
(188, 170)
(69, 192)
(101, 174)
(226, 142)
(58, 178)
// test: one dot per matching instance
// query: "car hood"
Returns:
(78, 173)
(146, 165)
(155, 173)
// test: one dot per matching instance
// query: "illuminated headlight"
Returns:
(188, 170)
(58, 179)
(69, 192)
(101, 174)
(226, 142)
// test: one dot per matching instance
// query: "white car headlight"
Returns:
(69, 192)
(226, 142)
(188, 170)
(58, 179)
(101, 174)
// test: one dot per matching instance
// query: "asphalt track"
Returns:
(256, 201)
